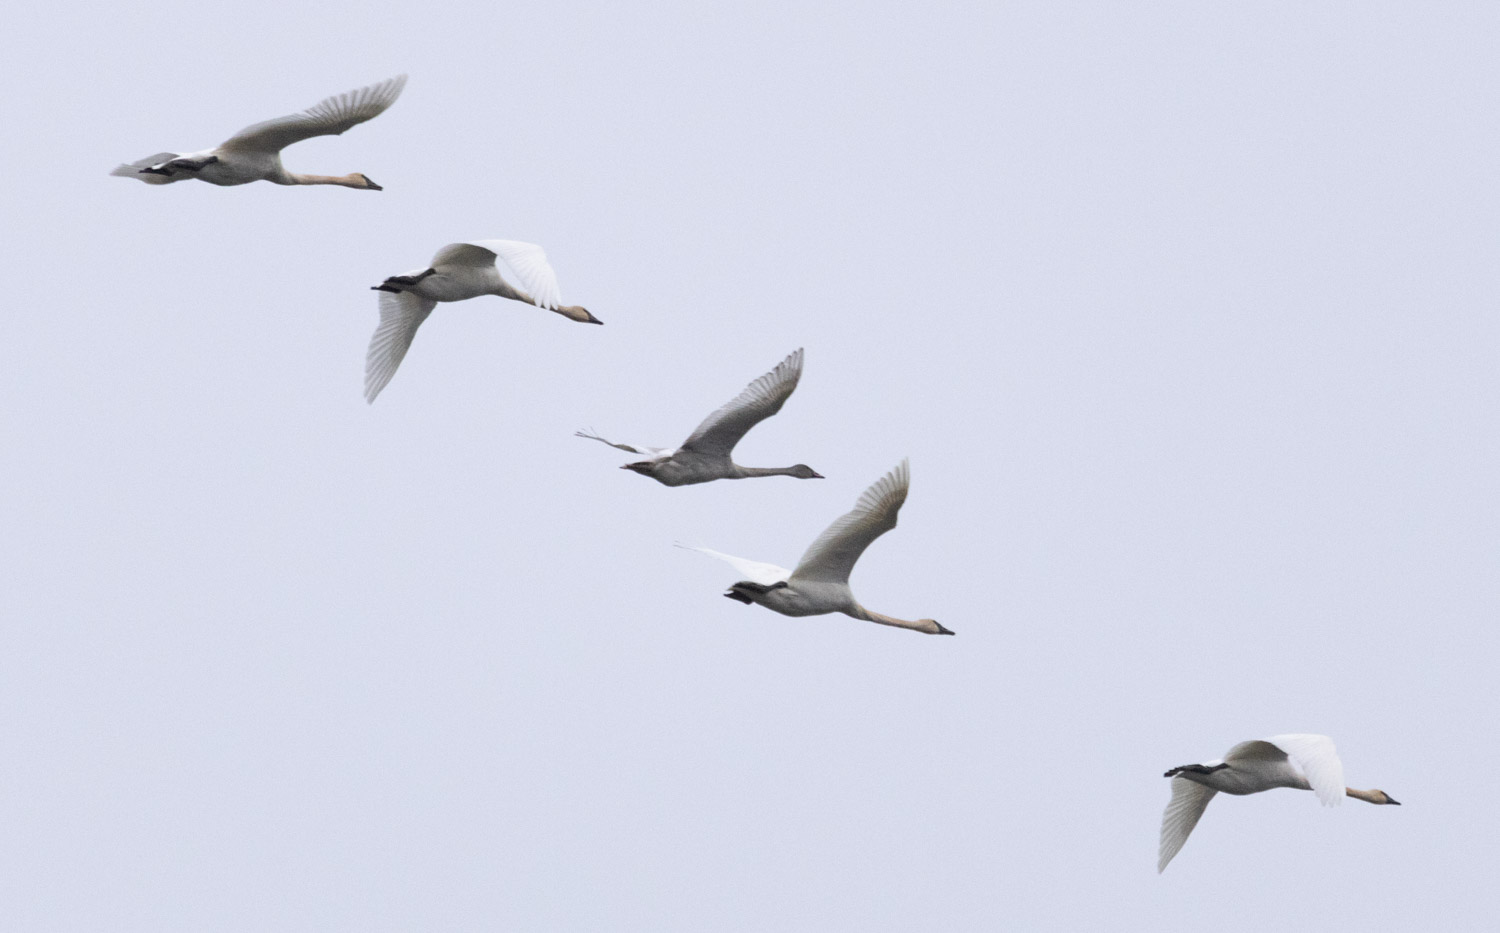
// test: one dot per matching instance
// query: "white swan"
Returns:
(254, 153)
(820, 584)
(458, 272)
(1304, 762)
(706, 454)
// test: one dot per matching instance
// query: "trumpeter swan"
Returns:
(820, 584)
(1304, 762)
(706, 454)
(254, 153)
(458, 272)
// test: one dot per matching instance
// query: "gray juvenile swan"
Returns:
(706, 454)
(458, 272)
(254, 153)
(820, 584)
(1304, 762)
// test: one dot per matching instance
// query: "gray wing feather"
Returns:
(761, 399)
(833, 555)
(328, 117)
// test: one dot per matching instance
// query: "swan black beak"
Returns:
(1392, 800)
(941, 630)
(817, 475)
(370, 184)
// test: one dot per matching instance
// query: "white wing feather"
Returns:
(526, 260)
(1319, 760)
(761, 399)
(328, 117)
(832, 556)
(752, 570)
(401, 313)
(133, 169)
(656, 453)
(1189, 800)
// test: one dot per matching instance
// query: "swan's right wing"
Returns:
(329, 117)
(831, 557)
(133, 169)
(1318, 760)
(1189, 799)
(401, 313)
(761, 399)
(527, 260)
(753, 570)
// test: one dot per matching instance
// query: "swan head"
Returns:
(1381, 797)
(935, 627)
(581, 315)
(803, 471)
(368, 184)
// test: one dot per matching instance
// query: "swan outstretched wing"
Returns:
(527, 260)
(133, 169)
(1319, 761)
(761, 399)
(631, 448)
(1189, 799)
(401, 313)
(753, 570)
(831, 557)
(328, 117)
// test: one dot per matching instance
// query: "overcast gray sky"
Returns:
(1185, 315)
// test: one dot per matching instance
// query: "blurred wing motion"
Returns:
(752, 570)
(1189, 799)
(133, 169)
(401, 313)
(653, 452)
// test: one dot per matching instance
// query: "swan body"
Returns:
(1302, 762)
(254, 153)
(706, 454)
(820, 583)
(459, 271)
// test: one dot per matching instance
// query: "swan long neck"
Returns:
(744, 472)
(352, 180)
(928, 626)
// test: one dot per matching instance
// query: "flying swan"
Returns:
(705, 455)
(820, 584)
(458, 272)
(254, 153)
(1305, 762)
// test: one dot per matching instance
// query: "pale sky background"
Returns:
(1184, 313)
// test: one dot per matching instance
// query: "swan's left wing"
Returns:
(753, 570)
(133, 169)
(655, 453)
(831, 557)
(527, 260)
(761, 399)
(1318, 760)
(1189, 800)
(328, 117)
(401, 313)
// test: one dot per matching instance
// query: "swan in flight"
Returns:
(1305, 762)
(254, 153)
(705, 455)
(820, 584)
(458, 272)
